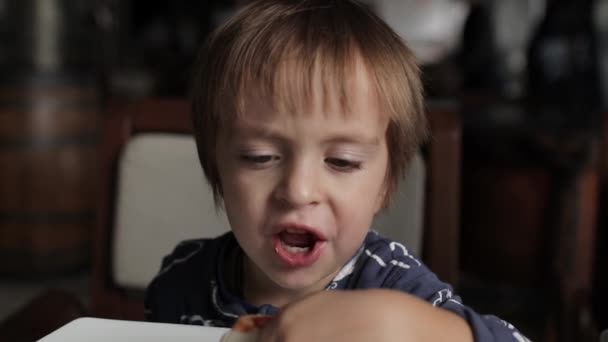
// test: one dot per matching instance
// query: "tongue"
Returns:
(297, 240)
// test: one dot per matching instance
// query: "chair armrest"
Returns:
(442, 215)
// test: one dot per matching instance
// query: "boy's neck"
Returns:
(258, 289)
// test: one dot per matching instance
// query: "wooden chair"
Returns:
(126, 128)
(41, 316)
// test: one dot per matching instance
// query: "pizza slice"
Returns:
(246, 329)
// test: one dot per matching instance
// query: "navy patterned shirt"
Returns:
(197, 282)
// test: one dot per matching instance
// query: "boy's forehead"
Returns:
(259, 119)
(327, 107)
(295, 92)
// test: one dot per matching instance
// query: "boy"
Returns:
(306, 114)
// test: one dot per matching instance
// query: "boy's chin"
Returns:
(302, 281)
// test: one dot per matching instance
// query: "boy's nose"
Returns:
(299, 186)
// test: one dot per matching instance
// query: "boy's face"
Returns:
(300, 190)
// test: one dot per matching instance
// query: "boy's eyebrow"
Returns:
(354, 139)
(249, 131)
(340, 138)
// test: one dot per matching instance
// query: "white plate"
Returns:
(104, 330)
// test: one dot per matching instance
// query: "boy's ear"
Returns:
(381, 199)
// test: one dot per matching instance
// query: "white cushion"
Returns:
(403, 219)
(162, 198)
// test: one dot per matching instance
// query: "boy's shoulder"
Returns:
(193, 258)
(180, 292)
(385, 263)
(381, 263)
(386, 251)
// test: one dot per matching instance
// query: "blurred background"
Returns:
(527, 78)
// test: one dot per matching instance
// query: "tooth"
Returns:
(294, 249)
(295, 231)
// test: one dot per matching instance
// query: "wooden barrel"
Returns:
(48, 136)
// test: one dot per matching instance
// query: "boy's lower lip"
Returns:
(298, 259)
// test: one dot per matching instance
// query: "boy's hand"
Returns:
(364, 315)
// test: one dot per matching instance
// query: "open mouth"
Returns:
(298, 246)
(297, 241)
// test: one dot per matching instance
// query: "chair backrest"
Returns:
(153, 195)
(162, 198)
(152, 135)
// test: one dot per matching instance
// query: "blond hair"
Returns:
(275, 47)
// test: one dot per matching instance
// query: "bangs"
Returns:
(309, 55)
(298, 79)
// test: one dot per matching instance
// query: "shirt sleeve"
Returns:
(418, 280)
(393, 266)
(486, 328)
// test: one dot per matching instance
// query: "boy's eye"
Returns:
(343, 164)
(258, 159)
